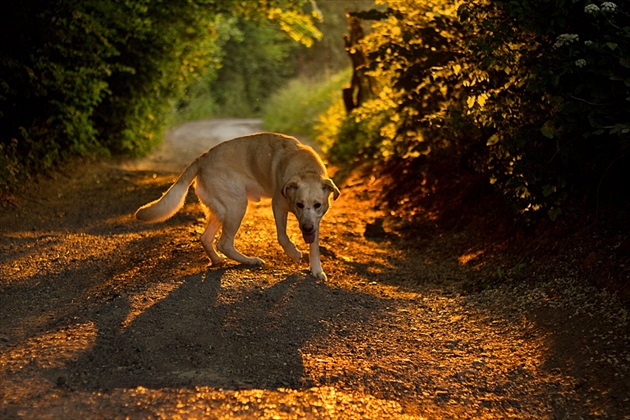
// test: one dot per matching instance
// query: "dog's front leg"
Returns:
(280, 215)
(314, 259)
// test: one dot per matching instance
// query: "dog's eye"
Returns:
(300, 205)
(317, 205)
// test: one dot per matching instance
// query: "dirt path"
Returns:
(184, 143)
(103, 317)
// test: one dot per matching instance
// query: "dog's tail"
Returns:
(172, 200)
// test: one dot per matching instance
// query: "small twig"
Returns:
(585, 101)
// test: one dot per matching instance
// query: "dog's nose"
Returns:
(307, 227)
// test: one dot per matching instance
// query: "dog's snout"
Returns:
(307, 227)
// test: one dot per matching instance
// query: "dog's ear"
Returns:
(331, 187)
(290, 186)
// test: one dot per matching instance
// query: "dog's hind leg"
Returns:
(207, 239)
(231, 222)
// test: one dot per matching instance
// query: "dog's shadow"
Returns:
(202, 334)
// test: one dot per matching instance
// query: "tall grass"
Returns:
(298, 108)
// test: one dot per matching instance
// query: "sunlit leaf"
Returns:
(493, 139)
(481, 99)
(548, 130)
(471, 101)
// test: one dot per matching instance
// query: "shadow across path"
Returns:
(204, 335)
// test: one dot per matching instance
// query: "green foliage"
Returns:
(327, 55)
(199, 99)
(566, 92)
(51, 80)
(85, 78)
(163, 48)
(292, 17)
(530, 95)
(297, 107)
(255, 65)
(261, 59)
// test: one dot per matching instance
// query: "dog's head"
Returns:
(309, 199)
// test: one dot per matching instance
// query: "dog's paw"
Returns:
(255, 262)
(217, 262)
(295, 256)
(319, 275)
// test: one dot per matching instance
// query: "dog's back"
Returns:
(259, 162)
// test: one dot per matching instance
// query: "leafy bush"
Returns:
(296, 107)
(568, 102)
(531, 96)
(255, 66)
(85, 78)
(51, 79)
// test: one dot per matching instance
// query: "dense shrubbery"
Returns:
(302, 105)
(84, 78)
(259, 59)
(531, 96)
(264, 69)
(258, 64)
(80, 78)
